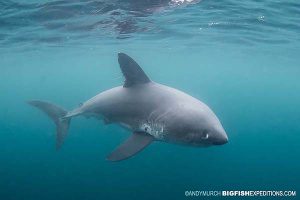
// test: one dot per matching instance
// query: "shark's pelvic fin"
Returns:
(132, 72)
(137, 142)
(57, 114)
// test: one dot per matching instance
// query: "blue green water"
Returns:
(241, 58)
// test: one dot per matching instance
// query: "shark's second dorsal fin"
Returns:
(132, 72)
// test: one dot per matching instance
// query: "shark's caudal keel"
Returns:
(150, 110)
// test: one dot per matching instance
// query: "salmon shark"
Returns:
(151, 111)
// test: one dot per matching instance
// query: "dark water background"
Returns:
(241, 58)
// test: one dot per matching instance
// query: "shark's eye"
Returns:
(205, 134)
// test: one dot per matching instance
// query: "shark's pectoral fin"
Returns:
(137, 142)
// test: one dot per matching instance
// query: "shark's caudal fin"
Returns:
(56, 114)
(132, 72)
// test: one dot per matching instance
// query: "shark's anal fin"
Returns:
(137, 142)
(132, 72)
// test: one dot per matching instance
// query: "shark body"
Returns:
(151, 111)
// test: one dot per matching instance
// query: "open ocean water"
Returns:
(239, 57)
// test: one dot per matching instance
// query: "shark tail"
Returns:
(58, 115)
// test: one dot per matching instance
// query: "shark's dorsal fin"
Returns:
(132, 72)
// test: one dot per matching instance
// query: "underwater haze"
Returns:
(239, 57)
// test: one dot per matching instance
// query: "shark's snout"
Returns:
(221, 140)
(219, 136)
